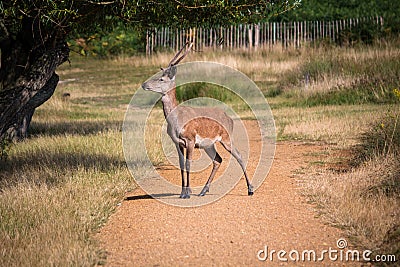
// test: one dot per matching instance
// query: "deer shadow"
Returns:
(73, 128)
(154, 196)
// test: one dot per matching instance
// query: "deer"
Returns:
(190, 128)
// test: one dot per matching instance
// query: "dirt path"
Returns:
(229, 232)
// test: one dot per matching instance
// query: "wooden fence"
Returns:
(252, 36)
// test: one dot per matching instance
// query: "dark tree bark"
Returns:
(27, 76)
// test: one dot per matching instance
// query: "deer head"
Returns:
(167, 80)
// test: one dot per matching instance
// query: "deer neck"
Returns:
(169, 101)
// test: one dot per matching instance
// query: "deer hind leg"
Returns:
(216, 158)
(235, 153)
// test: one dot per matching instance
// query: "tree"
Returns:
(344, 9)
(33, 36)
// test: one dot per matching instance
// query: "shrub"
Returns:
(117, 41)
(202, 89)
(364, 33)
(382, 139)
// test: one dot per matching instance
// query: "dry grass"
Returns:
(262, 65)
(363, 199)
(55, 192)
(360, 201)
(338, 125)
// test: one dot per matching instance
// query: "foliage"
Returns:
(344, 9)
(117, 41)
(88, 15)
(366, 32)
(102, 23)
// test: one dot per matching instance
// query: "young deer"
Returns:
(194, 127)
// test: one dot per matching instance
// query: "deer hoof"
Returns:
(250, 190)
(204, 191)
(185, 192)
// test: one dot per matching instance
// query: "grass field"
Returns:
(58, 187)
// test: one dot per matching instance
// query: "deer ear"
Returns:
(172, 72)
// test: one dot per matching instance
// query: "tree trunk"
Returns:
(27, 78)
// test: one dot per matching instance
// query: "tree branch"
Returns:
(101, 3)
(214, 5)
(4, 28)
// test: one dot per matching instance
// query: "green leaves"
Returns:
(84, 13)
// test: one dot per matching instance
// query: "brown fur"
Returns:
(191, 127)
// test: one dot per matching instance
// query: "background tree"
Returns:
(344, 9)
(33, 36)
(366, 32)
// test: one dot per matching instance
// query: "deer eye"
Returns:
(161, 79)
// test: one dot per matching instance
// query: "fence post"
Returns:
(147, 42)
(250, 35)
(284, 35)
(256, 35)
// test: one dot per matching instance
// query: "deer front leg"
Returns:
(180, 149)
(186, 191)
